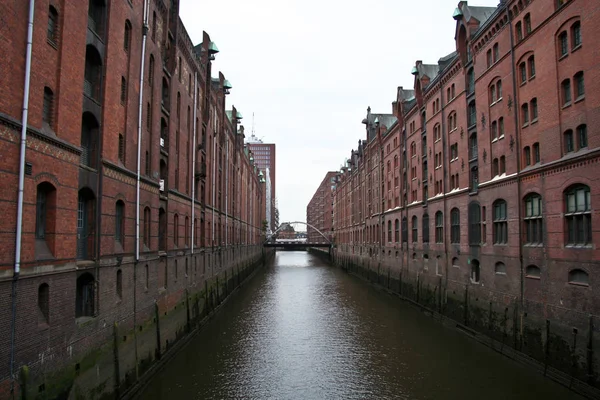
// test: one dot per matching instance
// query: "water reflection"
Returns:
(304, 330)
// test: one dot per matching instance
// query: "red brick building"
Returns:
(264, 158)
(319, 212)
(479, 195)
(116, 231)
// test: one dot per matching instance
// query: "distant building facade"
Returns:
(264, 158)
(319, 212)
(478, 195)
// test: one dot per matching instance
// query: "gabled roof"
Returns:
(481, 14)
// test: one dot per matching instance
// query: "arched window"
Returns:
(474, 224)
(52, 33)
(533, 219)
(165, 93)
(576, 35)
(404, 230)
(96, 17)
(119, 284)
(147, 227)
(455, 262)
(566, 92)
(578, 215)
(563, 44)
(475, 271)
(45, 220)
(127, 36)
(397, 231)
(176, 230)
(582, 136)
(579, 85)
(439, 227)
(525, 114)
(579, 277)
(472, 114)
(500, 268)
(532, 272)
(85, 296)
(48, 107)
(569, 141)
(92, 81)
(425, 232)
(415, 229)
(470, 81)
(531, 62)
(120, 222)
(523, 72)
(455, 226)
(86, 218)
(44, 303)
(534, 109)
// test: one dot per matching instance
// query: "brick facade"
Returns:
(478, 196)
(80, 282)
(319, 212)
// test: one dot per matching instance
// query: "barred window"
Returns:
(500, 222)
(533, 219)
(455, 226)
(578, 215)
(439, 227)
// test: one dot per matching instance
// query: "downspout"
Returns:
(194, 160)
(139, 138)
(213, 185)
(517, 144)
(17, 268)
(226, 187)
(137, 194)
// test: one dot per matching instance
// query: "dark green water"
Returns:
(301, 329)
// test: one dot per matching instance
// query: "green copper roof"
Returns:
(212, 48)
(227, 85)
(239, 115)
(260, 174)
(457, 13)
(414, 71)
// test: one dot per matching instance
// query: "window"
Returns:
(92, 80)
(474, 179)
(120, 222)
(48, 108)
(186, 234)
(500, 268)
(397, 231)
(85, 296)
(470, 81)
(531, 62)
(147, 163)
(439, 227)
(579, 277)
(532, 272)
(415, 229)
(425, 223)
(454, 151)
(89, 140)
(151, 71)
(500, 222)
(533, 220)
(579, 85)
(154, 26)
(475, 271)
(489, 58)
(121, 149)
(494, 130)
(147, 227)
(45, 216)
(500, 128)
(127, 36)
(523, 72)
(578, 215)
(527, 21)
(576, 35)
(534, 110)
(569, 143)
(119, 285)
(582, 136)
(496, 52)
(123, 90)
(455, 226)
(525, 113)
(44, 303)
(492, 94)
(495, 167)
(499, 89)
(563, 43)
(474, 224)
(472, 114)
(162, 229)
(389, 233)
(404, 230)
(527, 155)
(52, 33)
(536, 152)
(519, 29)
(176, 230)
(96, 17)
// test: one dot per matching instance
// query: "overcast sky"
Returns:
(309, 69)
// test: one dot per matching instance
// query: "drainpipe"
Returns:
(17, 268)
(226, 186)
(213, 185)
(518, 146)
(139, 138)
(194, 159)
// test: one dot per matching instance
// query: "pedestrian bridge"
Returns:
(286, 236)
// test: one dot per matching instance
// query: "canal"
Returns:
(301, 329)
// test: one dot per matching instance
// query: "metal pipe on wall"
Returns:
(194, 160)
(139, 138)
(226, 187)
(21, 188)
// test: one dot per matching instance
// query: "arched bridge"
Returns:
(288, 237)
